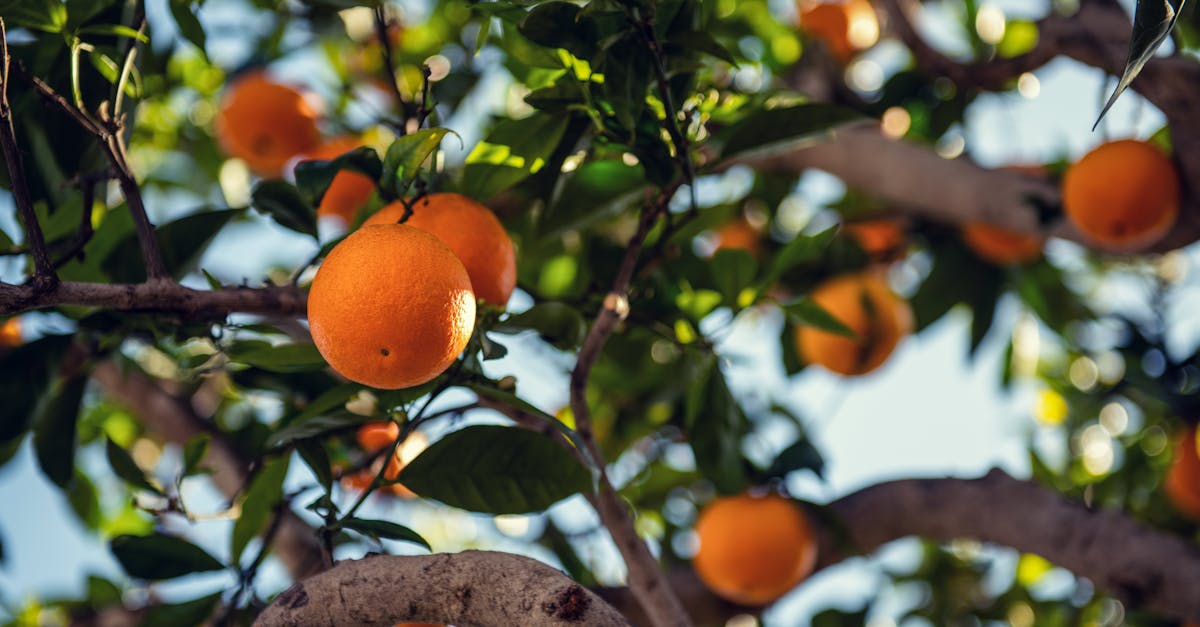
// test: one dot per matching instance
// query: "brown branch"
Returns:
(646, 578)
(109, 132)
(172, 419)
(915, 179)
(1146, 568)
(43, 275)
(161, 297)
(468, 588)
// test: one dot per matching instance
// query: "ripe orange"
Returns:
(753, 549)
(739, 235)
(864, 303)
(844, 26)
(472, 231)
(391, 307)
(1001, 246)
(375, 435)
(881, 238)
(1182, 485)
(371, 438)
(349, 191)
(265, 124)
(10, 332)
(1123, 195)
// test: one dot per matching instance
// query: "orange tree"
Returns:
(591, 170)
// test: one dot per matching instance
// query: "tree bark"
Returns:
(472, 588)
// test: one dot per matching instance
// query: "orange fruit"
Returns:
(866, 305)
(739, 235)
(391, 307)
(408, 450)
(753, 549)
(349, 190)
(1001, 246)
(881, 238)
(844, 26)
(1123, 195)
(265, 124)
(378, 434)
(472, 231)
(1182, 485)
(10, 332)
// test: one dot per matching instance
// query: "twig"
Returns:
(246, 580)
(44, 277)
(389, 66)
(139, 18)
(646, 579)
(682, 145)
(108, 131)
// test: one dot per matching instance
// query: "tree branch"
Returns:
(464, 589)
(646, 578)
(43, 275)
(173, 420)
(161, 297)
(108, 132)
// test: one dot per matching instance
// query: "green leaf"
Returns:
(313, 177)
(54, 430)
(405, 156)
(559, 324)
(159, 556)
(43, 15)
(187, 614)
(559, 25)
(802, 250)
(496, 470)
(733, 271)
(181, 241)
(258, 506)
(281, 358)
(715, 424)
(312, 451)
(194, 452)
(595, 191)
(312, 427)
(386, 530)
(801, 455)
(1152, 23)
(189, 25)
(115, 30)
(768, 130)
(703, 41)
(124, 466)
(286, 206)
(298, 427)
(25, 375)
(807, 312)
(627, 69)
(512, 151)
(85, 501)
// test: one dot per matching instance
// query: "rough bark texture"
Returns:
(473, 588)
(171, 419)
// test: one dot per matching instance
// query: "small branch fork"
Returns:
(108, 128)
(44, 277)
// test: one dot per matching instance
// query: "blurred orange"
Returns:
(844, 26)
(349, 190)
(883, 239)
